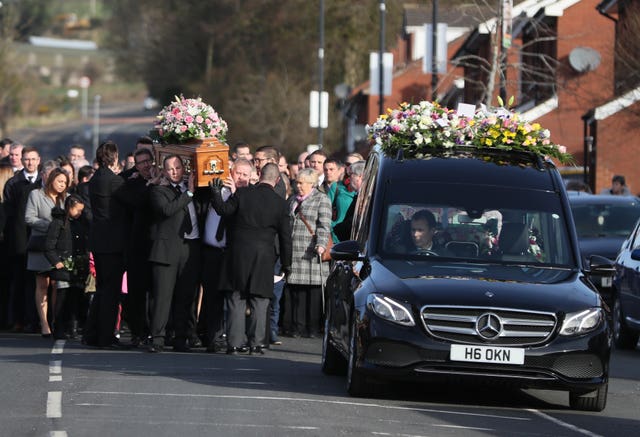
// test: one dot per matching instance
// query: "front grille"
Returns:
(485, 325)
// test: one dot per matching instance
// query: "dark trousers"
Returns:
(306, 308)
(138, 288)
(22, 305)
(212, 310)
(178, 281)
(103, 314)
(239, 325)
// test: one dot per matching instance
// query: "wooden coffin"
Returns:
(207, 158)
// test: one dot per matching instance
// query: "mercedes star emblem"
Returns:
(489, 326)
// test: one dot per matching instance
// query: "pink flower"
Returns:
(188, 119)
(199, 119)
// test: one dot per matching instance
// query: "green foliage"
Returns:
(255, 61)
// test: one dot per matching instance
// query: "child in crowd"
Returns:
(65, 249)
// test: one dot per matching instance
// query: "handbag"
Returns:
(326, 255)
(36, 243)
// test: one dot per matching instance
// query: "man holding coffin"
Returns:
(174, 256)
(255, 214)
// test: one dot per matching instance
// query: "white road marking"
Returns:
(58, 347)
(55, 367)
(54, 404)
(55, 378)
(320, 401)
(563, 423)
(464, 427)
(58, 434)
(397, 435)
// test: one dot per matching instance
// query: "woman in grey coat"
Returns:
(38, 217)
(309, 242)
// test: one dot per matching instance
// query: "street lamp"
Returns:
(380, 58)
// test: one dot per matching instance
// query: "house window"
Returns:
(539, 60)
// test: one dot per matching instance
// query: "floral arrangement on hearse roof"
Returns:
(422, 128)
(188, 119)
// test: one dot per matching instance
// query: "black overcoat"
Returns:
(255, 215)
(58, 245)
(108, 229)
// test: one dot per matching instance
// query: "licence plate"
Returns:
(606, 281)
(487, 354)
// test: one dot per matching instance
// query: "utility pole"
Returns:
(434, 51)
(320, 71)
(380, 56)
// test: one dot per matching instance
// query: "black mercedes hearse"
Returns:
(507, 299)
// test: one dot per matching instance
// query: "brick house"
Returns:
(560, 68)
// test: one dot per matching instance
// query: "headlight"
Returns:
(582, 322)
(389, 309)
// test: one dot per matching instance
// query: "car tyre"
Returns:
(333, 363)
(594, 401)
(356, 381)
(623, 337)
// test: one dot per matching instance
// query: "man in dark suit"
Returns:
(16, 233)
(106, 242)
(214, 241)
(138, 245)
(256, 215)
(174, 256)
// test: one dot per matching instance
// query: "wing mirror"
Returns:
(600, 265)
(346, 251)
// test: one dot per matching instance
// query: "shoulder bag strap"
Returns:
(306, 223)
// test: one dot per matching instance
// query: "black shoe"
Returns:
(46, 335)
(116, 346)
(256, 350)
(181, 348)
(155, 349)
(135, 341)
(195, 342)
(59, 336)
(216, 346)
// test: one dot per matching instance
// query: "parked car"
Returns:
(505, 298)
(626, 296)
(603, 222)
(149, 103)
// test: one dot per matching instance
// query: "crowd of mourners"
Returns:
(90, 249)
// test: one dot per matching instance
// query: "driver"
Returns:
(423, 227)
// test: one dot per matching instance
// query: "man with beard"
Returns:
(138, 246)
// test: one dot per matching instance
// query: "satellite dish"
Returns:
(583, 59)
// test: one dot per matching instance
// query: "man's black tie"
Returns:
(30, 178)
(220, 230)
(187, 226)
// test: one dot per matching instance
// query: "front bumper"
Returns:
(409, 353)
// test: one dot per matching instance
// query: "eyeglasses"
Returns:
(144, 162)
(259, 160)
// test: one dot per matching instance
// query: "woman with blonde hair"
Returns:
(310, 213)
(38, 217)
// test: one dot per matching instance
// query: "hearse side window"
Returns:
(362, 215)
